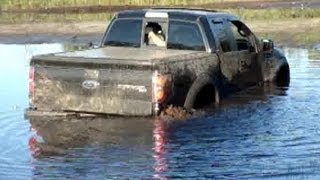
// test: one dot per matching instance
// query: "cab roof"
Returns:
(176, 13)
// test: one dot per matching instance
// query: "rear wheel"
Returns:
(202, 93)
(205, 97)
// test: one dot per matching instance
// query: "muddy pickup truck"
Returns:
(152, 58)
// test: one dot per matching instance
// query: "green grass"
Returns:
(250, 16)
(311, 37)
(244, 14)
(274, 14)
(306, 39)
(25, 4)
(314, 54)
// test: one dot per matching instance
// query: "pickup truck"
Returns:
(197, 58)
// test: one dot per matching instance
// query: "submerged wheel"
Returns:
(207, 95)
(282, 78)
(202, 93)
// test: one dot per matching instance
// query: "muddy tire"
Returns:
(203, 92)
(282, 78)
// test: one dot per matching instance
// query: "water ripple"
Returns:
(260, 133)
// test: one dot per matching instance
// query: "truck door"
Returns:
(239, 64)
(228, 54)
(244, 43)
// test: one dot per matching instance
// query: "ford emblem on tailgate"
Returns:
(90, 84)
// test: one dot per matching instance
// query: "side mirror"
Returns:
(267, 45)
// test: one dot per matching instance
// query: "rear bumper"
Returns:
(29, 113)
(95, 105)
(47, 113)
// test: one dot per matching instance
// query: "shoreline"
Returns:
(296, 32)
(37, 33)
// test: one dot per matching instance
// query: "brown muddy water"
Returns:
(259, 133)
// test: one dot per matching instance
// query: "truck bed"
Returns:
(110, 55)
(125, 53)
(109, 80)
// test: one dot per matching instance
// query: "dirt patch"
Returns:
(287, 25)
(176, 113)
(293, 32)
(286, 31)
(59, 28)
(36, 33)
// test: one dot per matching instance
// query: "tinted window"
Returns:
(125, 32)
(241, 35)
(184, 35)
(235, 31)
(222, 36)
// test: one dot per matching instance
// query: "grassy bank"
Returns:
(286, 37)
(288, 26)
(300, 31)
(27, 4)
(274, 14)
(244, 14)
(297, 31)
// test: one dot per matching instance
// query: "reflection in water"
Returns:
(113, 143)
(78, 132)
(159, 138)
(259, 133)
(54, 136)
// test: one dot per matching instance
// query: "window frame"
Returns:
(157, 20)
(251, 38)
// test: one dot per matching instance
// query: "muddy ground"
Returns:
(37, 33)
(91, 32)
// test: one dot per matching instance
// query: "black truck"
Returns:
(152, 58)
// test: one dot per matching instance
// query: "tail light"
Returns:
(159, 89)
(31, 84)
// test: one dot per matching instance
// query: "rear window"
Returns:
(124, 32)
(185, 35)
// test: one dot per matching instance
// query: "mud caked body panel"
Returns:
(203, 52)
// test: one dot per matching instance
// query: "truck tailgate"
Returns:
(92, 85)
(112, 91)
(110, 80)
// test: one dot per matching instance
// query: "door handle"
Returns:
(243, 65)
(243, 62)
